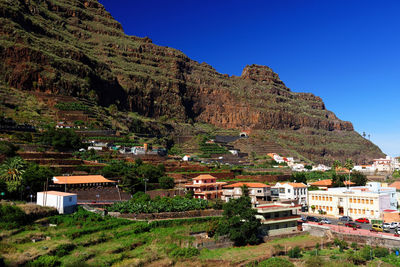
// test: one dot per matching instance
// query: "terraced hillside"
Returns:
(76, 48)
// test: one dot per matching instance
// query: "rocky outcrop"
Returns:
(76, 48)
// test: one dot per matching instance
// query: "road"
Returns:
(365, 226)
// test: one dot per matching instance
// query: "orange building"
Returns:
(205, 186)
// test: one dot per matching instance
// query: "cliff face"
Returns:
(76, 48)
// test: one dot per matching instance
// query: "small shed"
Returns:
(65, 203)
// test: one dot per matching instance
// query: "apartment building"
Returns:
(205, 186)
(278, 218)
(257, 191)
(297, 192)
(361, 201)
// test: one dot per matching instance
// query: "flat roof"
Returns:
(81, 179)
(58, 193)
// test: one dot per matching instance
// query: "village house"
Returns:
(383, 164)
(397, 186)
(257, 191)
(278, 218)
(297, 192)
(65, 203)
(360, 201)
(205, 186)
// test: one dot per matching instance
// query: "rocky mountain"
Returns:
(76, 48)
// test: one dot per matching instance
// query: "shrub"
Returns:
(274, 261)
(166, 182)
(45, 261)
(12, 217)
(380, 252)
(315, 261)
(64, 249)
(179, 253)
(294, 252)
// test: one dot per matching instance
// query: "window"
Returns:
(351, 200)
(367, 201)
(259, 191)
(288, 190)
(363, 211)
(70, 199)
(358, 201)
(372, 212)
(281, 190)
(323, 198)
(319, 197)
(372, 201)
(312, 197)
(362, 201)
(351, 210)
(331, 208)
(330, 198)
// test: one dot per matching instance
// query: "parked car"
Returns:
(376, 228)
(394, 225)
(352, 225)
(325, 220)
(312, 219)
(386, 227)
(397, 231)
(362, 220)
(345, 219)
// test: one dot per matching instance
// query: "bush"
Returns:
(380, 252)
(45, 261)
(64, 249)
(166, 182)
(274, 261)
(315, 261)
(179, 253)
(295, 252)
(12, 217)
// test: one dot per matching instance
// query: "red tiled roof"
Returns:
(81, 179)
(297, 184)
(251, 185)
(328, 182)
(396, 185)
(203, 177)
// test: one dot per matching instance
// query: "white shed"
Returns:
(63, 202)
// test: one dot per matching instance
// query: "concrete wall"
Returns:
(382, 241)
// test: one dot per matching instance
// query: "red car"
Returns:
(362, 220)
(352, 225)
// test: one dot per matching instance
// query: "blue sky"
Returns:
(346, 52)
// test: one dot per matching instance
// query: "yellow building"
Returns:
(358, 202)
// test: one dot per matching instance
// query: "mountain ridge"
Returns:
(76, 48)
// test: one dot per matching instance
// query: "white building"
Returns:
(257, 191)
(292, 191)
(321, 167)
(360, 201)
(63, 202)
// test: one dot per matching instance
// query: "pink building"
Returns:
(205, 186)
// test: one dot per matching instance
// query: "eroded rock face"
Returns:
(74, 47)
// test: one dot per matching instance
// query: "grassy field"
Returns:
(87, 239)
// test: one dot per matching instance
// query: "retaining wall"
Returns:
(382, 240)
(168, 215)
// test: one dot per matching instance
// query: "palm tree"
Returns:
(336, 164)
(12, 169)
(349, 164)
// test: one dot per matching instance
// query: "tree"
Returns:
(239, 221)
(61, 139)
(349, 164)
(275, 261)
(295, 252)
(166, 182)
(113, 109)
(8, 149)
(338, 180)
(358, 178)
(34, 177)
(299, 177)
(336, 164)
(11, 172)
(308, 167)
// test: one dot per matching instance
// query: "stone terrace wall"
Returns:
(169, 215)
